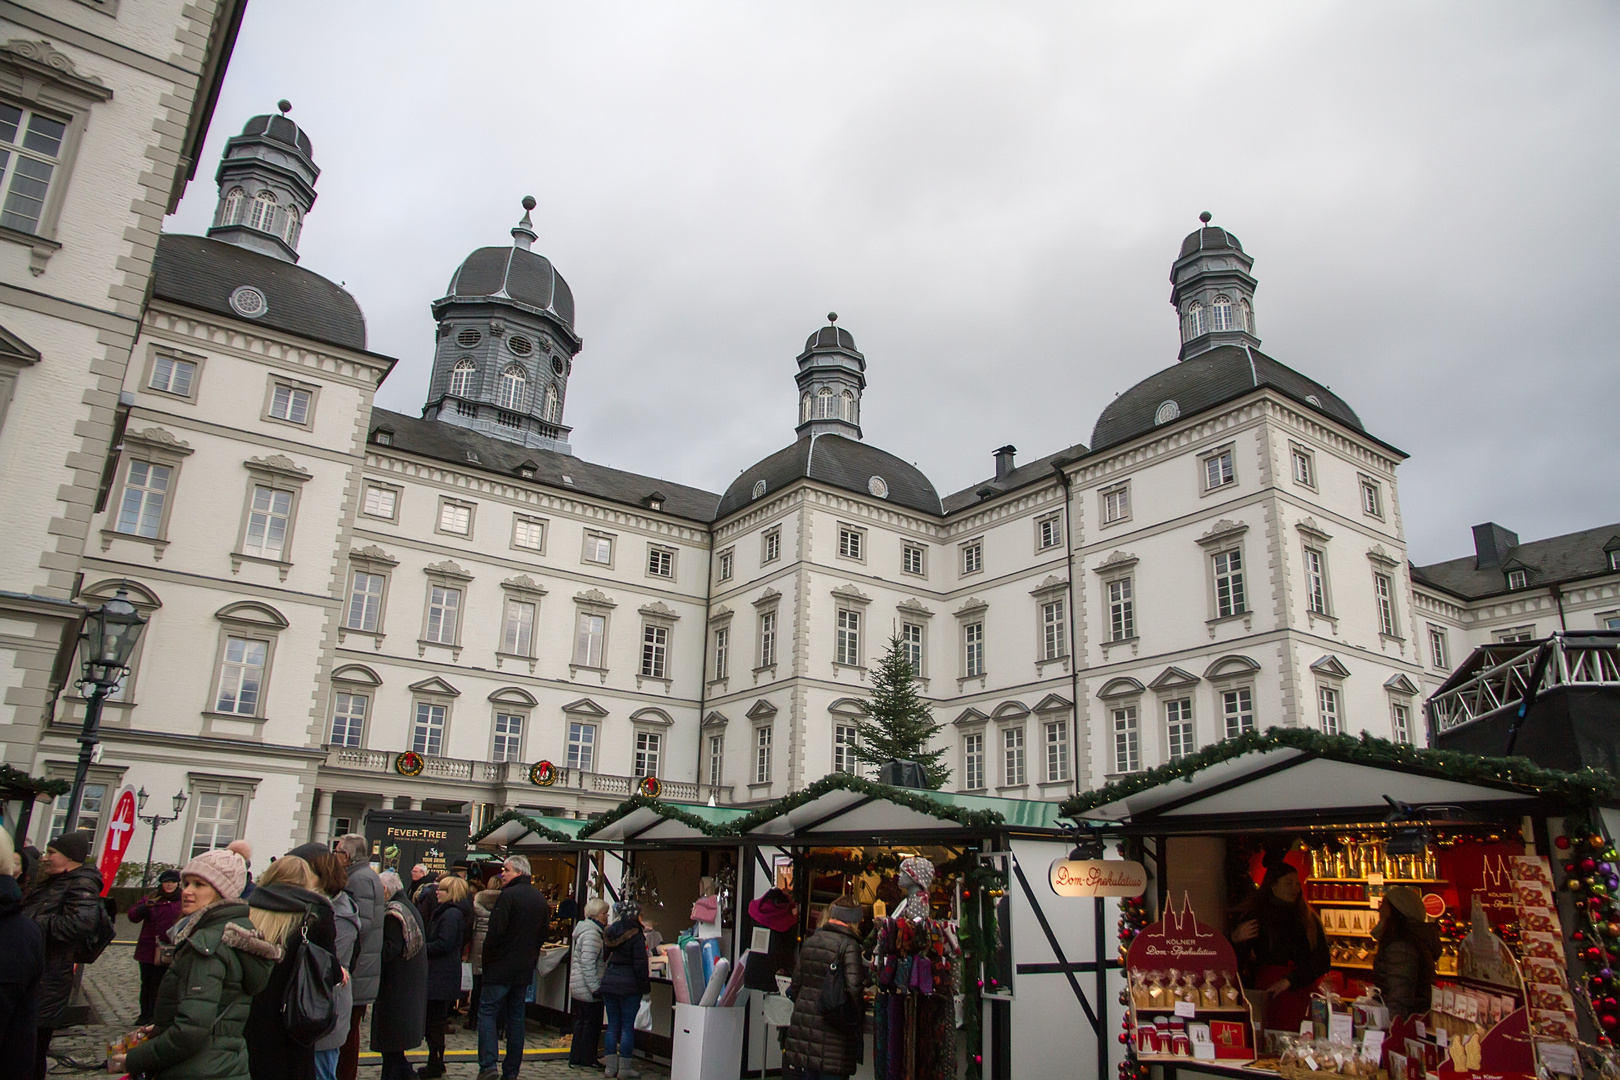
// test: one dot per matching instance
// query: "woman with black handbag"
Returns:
(290, 912)
(824, 1037)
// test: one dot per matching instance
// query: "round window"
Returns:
(557, 364)
(249, 302)
(520, 346)
(878, 487)
(468, 338)
(759, 488)
(1167, 412)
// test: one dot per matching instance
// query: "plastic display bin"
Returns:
(707, 1043)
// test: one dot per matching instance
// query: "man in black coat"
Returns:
(22, 962)
(517, 929)
(66, 906)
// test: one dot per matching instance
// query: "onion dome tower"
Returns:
(831, 377)
(266, 186)
(506, 345)
(1212, 290)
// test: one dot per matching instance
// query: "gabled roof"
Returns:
(644, 819)
(516, 830)
(1556, 559)
(842, 804)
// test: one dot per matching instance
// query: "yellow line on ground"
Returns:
(449, 1055)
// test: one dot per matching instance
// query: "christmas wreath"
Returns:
(410, 763)
(543, 774)
(650, 786)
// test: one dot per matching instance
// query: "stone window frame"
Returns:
(445, 575)
(1119, 566)
(1009, 718)
(857, 533)
(657, 615)
(1402, 693)
(921, 549)
(531, 519)
(586, 714)
(248, 620)
(36, 76)
(655, 548)
(592, 602)
(367, 560)
(1314, 539)
(725, 563)
(524, 590)
(597, 534)
(1055, 519)
(278, 473)
(1365, 484)
(974, 723)
(1230, 674)
(963, 548)
(511, 701)
(152, 446)
(1514, 634)
(275, 379)
(16, 355)
(1298, 450)
(1122, 487)
(109, 776)
(1226, 536)
(1052, 591)
(714, 751)
(974, 612)
(198, 783)
(765, 538)
(1054, 711)
(357, 680)
(399, 497)
(650, 722)
(1120, 693)
(1439, 658)
(452, 501)
(847, 599)
(762, 754)
(768, 604)
(914, 614)
(1228, 449)
(432, 691)
(1383, 569)
(168, 352)
(1330, 675)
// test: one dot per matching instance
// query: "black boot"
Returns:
(435, 1062)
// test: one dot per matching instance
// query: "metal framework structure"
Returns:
(1509, 675)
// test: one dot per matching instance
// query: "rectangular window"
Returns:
(1127, 746)
(218, 822)
(30, 150)
(146, 487)
(661, 562)
(443, 615)
(767, 639)
(1054, 632)
(1049, 532)
(973, 649)
(91, 804)
(1316, 581)
(973, 761)
(1517, 633)
(717, 758)
(1371, 503)
(598, 549)
(582, 747)
(1238, 707)
(517, 638)
(508, 737)
(972, 557)
(911, 646)
(1229, 598)
(1384, 590)
(365, 602)
(654, 651)
(528, 533)
(1178, 728)
(589, 632)
(1057, 751)
(762, 755)
(1400, 721)
(381, 502)
(290, 403)
(728, 560)
(771, 546)
(455, 518)
(1116, 503)
(1518, 579)
(1614, 559)
(172, 375)
(349, 719)
(849, 638)
(241, 676)
(722, 652)
(268, 519)
(1012, 756)
(1304, 468)
(844, 737)
(911, 558)
(1121, 610)
(849, 543)
(1218, 471)
(1327, 706)
(1439, 655)
(648, 746)
(427, 733)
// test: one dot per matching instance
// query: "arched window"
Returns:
(290, 225)
(1245, 317)
(1194, 322)
(231, 213)
(513, 383)
(849, 405)
(553, 404)
(804, 408)
(824, 404)
(461, 378)
(260, 211)
(1222, 313)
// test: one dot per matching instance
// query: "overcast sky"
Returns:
(990, 196)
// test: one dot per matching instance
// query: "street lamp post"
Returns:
(105, 646)
(157, 821)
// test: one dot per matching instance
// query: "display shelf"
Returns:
(1237, 1010)
(1387, 881)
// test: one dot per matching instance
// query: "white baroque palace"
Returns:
(331, 585)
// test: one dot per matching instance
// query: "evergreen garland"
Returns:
(898, 723)
(519, 816)
(662, 809)
(907, 797)
(21, 785)
(1581, 788)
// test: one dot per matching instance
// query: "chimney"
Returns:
(1491, 545)
(1004, 461)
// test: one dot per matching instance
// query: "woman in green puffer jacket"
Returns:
(220, 962)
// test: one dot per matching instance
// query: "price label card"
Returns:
(1372, 1044)
(1341, 1029)
(1203, 1051)
(1442, 1037)
(1307, 1030)
(1186, 1008)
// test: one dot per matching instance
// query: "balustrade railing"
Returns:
(516, 773)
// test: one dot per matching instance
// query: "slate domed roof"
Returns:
(837, 462)
(512, 273)
(280, 129)
(1209, 238)
(204, 274)
(1205, 381)
(831, 337)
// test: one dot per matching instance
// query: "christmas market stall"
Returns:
(1349, 906)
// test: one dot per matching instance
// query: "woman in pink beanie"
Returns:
(220, 962)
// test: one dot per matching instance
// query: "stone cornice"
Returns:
(973, 606)
(1312, 531)
(594, 598)
(660, 611)
(767, 598)
(159, 439)
(523, 583)
(277, 465)
(449, 570)
(1222, 531)
(849, 594)
(204, 333)
(1115, 563)
(912, 606)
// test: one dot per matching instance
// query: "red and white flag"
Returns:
(120, 831)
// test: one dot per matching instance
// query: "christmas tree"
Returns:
(898, 723)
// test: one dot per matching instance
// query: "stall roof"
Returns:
(1289, 775)
(514, 828)
(642, 818)
(843, 804)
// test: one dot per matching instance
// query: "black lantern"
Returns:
(105, 646)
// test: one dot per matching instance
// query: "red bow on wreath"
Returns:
(650, 786)
(410, 763)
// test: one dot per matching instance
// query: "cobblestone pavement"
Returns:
(112, 985)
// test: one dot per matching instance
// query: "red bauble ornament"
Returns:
(1610, 1020)
(1588, 865)
(1562, 843)
(1579, 935)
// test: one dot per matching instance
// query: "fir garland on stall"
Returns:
(665, 810)
(534, 827)
(982, 886)
(1591, 868)
(1133, 919)
(910, 798)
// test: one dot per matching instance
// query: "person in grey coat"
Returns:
(365, 889)
(585, 963)
(399, 1021)
(329, 869)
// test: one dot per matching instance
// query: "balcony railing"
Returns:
(516, 774)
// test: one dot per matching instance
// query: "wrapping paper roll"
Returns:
(734, 986)
(677, 977)
(692, 954)
(711, 953)
(717, 983)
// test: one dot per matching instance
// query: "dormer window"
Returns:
(461, 378)
(260, 211)
(383, 436)
(232, 212)
(1614, 559)
(513, 384)
(1222, 313)
(1518, 579)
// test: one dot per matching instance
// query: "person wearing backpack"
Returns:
(824, 1036)
(291, 913)
(65, 903)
